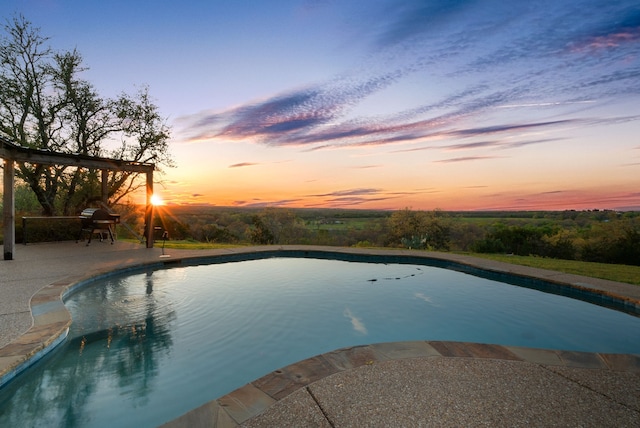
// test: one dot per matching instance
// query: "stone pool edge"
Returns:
(258, 396)
(51, 319)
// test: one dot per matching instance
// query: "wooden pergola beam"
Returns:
(22, 154)
(12, 153)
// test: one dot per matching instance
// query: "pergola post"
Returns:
(148, 216)
(9, 209)
(104, 181)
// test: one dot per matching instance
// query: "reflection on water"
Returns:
(145, 348)
(356, 322)
(123, 357)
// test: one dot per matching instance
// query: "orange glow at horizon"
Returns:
(447, 198)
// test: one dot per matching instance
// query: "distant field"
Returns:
(340, 224)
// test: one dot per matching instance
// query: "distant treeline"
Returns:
(600, 236)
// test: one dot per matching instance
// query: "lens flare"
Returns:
(156, 200)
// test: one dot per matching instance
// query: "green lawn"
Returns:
(620, 273)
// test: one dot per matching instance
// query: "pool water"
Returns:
(146, 347)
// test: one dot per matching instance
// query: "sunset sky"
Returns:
(385, 104)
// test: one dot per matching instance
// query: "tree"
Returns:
(259, 233)
(45, 104)
(276, 226)
(419, 229)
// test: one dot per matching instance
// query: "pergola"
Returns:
(12, 153)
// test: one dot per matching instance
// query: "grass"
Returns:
(620, 273)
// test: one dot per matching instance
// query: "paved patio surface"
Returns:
(400, 384)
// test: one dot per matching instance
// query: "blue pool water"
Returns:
(147, 347)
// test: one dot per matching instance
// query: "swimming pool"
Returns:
(146, 347)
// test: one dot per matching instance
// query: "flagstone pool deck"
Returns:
(406, 384)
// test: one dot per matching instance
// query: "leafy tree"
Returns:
(464, 235)
(561, 245)
(613, 242)
(46, 105)
(277, 226)
(25, 200)
(259, 233)
(419, 229)
(520, 240)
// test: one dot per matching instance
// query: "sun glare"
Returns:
(156, 200)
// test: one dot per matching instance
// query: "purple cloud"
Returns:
(513, 56)
(467, 159)
(351, 192)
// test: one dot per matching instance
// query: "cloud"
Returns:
(467, 146)
(466, 159)
(493, 56)
(353, 201)
(286, 115)
(351, 192)
(517, 144)
(611, 35)
(547, 104)
(354, 197)
(243, 164)
(411, 19)
(367, 166)
(309, 119)
(472, 132)
(256, 203)
(480, 144)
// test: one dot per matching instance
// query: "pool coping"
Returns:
(261, 395)
(51, 319)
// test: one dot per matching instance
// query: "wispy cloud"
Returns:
(466, 159)
(547, 104)
(242, 164)
(611, 35)
(503, 58)
(264, 204)
(351, 192)
(367, 166)
(467, 146)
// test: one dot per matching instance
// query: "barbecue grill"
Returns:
(96, 220)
